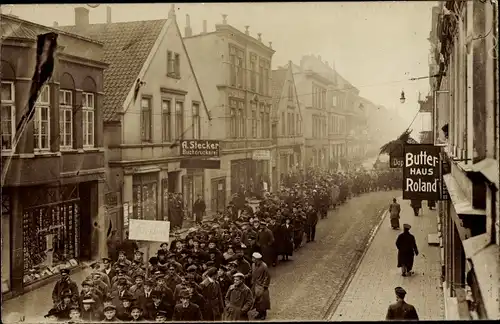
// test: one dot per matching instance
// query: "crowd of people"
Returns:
(219, 270)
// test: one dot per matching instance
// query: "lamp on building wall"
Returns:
(402, 99)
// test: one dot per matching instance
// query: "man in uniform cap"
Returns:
(90, 312)
(63, 284)
(407, 250)
(401, 310)
(161, 316)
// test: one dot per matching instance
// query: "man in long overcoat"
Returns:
(239, 300)
(212, 293)
(265, 240)
(261, 278)
(394, 210)
(407, 249)
(401, 310)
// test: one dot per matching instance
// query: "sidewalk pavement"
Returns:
(371, 290)
(33, 305)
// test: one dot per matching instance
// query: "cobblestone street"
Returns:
(372, 287)
(303, 289)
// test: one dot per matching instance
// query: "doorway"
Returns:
(173, 181)
(218, 202)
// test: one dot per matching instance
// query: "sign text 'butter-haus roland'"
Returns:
(207, 148)
(421, 172)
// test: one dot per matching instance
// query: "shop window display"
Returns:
(51, 234)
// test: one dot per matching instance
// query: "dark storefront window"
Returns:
(145, 190)
(5, 239)
(51, 231)
(248, 173)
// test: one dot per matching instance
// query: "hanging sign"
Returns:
(207, 148)
(421, 172)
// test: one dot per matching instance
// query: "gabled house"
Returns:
(286, 124)
(52, 180)
(152, 100)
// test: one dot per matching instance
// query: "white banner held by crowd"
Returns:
(149, 230)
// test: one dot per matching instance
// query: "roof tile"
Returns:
(126, 46)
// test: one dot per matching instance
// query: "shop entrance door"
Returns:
(218, 202)
(173, 178)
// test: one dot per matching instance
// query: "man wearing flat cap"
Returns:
(401, 310)
(407, 250)
(261, 278)
(239, 300)
(211, 290)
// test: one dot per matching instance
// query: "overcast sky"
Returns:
(377, 46)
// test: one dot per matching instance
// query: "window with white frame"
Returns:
(66, 119)
(88, 111)
(196, 121)
(8, 117)
(41, 122)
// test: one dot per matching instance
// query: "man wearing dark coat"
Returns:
(62, 285)
(261, 278)
(156, 304)
(238, 300)
(199, 208)
(212, 293)
(416, 205)
(401, 310)
(286, 246)
(186, 311)
(264, 242)
(407, 249)
(311, 222)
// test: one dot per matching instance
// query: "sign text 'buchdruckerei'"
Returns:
(200, 148)
(421, 172)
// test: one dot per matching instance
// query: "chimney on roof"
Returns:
(224, 19)
(55, 24)
(260, 36)
(188, 32)
(246, 30)
(204, 27)
(108, 15)
(271, 45)
(171, 13)
(81, 17)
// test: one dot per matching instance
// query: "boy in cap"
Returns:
(401, 310)
(124, 308)
(136, 313)
(110, 314)
(161, 317)
(74, 314)
(407, 250)
(89, 311)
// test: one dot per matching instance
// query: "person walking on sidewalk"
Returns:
(407, 250)
(394, 211)
(416, 205)
(401, 310)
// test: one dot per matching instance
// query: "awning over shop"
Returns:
(485, 258)
(460, 202)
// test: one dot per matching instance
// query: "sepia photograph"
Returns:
(250, 161)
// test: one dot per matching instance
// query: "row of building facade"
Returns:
(465, 123)
(102, 146)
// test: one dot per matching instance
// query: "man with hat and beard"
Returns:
(407, 250)
(261, 278)
(401, 310)
(238, 299)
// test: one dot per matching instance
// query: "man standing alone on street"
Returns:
(401, 310)
(199, 208)
(407, 249)
(394, 211)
